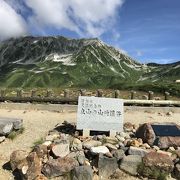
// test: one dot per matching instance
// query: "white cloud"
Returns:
(87, 18)
(11, 23)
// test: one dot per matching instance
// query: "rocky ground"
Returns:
(38, 123)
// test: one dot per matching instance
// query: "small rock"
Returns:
(128, 127)
(41, 177)
(100, 137)
(47, 143)
(99, 149)
(130, 164)
(118, 154)
(177, 171)
(137, 151)
(41, 151)
(136, 143)
(171, 149)
(108, 154)
(82, 173)
(169, 113)
(2, 138)
(81, 157)
(146, 145)
(110, 146)
(76, 145)
(60, 150)
(121, 139)
(165, 152)
(76, 134)
(156, 148)
(111, 140)
(178, 153)
(91, 143)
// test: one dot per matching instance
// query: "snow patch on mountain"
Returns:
(66, 59)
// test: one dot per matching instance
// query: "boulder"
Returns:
(5, 128)
(60, 150)
(137, 151)
(17, 123)
(58, 167)
(99, 149)
(82, 173)
(41, 177)
(154, 161)
(18, 159)
(130, 164)
(91, 143)
(33, 166)
(146, 133)
(106, 166)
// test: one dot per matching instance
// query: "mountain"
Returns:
(63, 62)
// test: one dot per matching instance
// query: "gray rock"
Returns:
(76, 145)
(81, 157)
(58, 167)
(130, 164)
(107, 166)
(2, 138)
(118, 154)
(60, 150)
(137, 151)
(91, 143)
(99, 149)
(82, 173)
(110, 146)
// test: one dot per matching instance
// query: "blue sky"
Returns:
(147, 30)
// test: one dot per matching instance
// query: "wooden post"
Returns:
(166, 95)
(33, 93)
(82, 92)
(150, 95)
(133, 94)
(66, 93)
(3, 93)
(49, 93)
(99, 93)
(19, 93)
(116, 94)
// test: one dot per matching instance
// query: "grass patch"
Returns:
(38, 142)
(14, 134)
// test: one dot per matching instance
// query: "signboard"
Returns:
(100, 114)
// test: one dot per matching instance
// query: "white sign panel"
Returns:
(101, 114)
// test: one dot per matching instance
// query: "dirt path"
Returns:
(38, 123)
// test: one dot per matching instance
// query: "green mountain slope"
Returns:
(62, 62)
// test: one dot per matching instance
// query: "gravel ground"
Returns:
(38, 123)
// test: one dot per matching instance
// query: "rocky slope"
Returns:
(62, 62)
